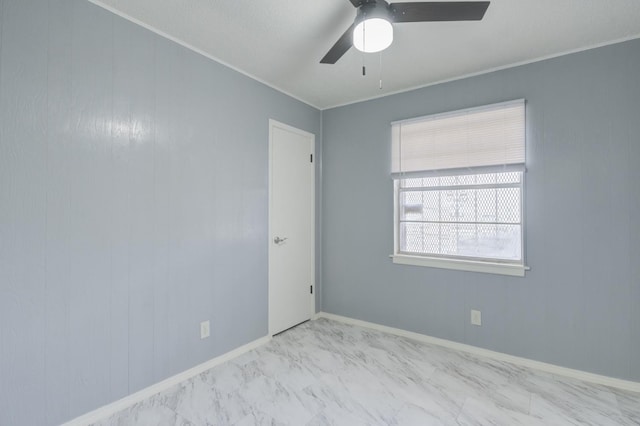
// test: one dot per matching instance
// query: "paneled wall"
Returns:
(133, 205)
(579, 306)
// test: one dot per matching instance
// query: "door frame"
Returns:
(312, 296)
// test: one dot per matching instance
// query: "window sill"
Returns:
(461, 265)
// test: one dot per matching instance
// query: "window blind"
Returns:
(460, 142)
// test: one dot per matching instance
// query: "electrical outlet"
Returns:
(205, 329)
(476, 317)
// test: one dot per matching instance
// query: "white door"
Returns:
(291, 226)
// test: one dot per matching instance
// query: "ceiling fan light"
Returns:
(373, 35)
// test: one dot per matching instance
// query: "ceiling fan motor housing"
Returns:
(374, 9)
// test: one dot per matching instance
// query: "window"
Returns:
(459, 189)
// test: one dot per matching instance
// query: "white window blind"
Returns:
(460, 142)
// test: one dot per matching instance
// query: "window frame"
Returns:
(461, 263)
(507, 160)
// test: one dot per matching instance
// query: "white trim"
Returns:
(446, 80)
(499, 356)
(196, 50)
(461, 265)
(319, 218)
(288, 128)
(121, 404)
(487, 71)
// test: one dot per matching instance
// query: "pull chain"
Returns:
(364, 47)
(380, 86)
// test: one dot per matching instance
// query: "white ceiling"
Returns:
(280, 42)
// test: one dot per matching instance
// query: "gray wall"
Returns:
(133, 205)
(579, 306)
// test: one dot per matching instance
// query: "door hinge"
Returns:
(311, 289)
(311, 158)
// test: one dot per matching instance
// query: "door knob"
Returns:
(279, 240)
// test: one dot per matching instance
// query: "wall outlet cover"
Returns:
(205, 329)
(476, 317)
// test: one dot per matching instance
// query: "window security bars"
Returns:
(475, 217)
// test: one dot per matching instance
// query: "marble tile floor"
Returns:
(328, 373)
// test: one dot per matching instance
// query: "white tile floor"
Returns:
(328, 373)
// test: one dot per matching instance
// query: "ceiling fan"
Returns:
(372, 30)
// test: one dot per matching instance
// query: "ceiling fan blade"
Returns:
(438, 11)
(343, 44)
(357, 3)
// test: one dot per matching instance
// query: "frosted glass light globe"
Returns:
(373, 35)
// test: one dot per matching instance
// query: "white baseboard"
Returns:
(119, 405)
(538, 365)
(110, 409)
